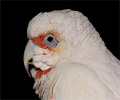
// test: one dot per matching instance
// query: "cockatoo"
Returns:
(71, 61)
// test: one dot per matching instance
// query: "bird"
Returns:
(69, 59)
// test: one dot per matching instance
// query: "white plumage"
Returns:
(82, 68)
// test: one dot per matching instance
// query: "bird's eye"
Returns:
(50, 40)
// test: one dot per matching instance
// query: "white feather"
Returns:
(87, 71)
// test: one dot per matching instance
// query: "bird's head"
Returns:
(56, 36)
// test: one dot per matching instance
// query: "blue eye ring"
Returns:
(50, 40)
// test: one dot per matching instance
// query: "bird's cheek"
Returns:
(61, 48)
(43, 60)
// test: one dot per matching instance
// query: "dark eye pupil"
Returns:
(49, 39)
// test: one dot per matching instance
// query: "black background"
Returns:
(16, 84)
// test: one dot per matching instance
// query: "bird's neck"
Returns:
(88, 51)
(92, 51)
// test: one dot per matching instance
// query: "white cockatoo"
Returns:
(71, 61)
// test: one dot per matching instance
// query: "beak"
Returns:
(28, 54)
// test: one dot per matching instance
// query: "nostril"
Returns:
(30, 68)
(30, 65)
(31, 60)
